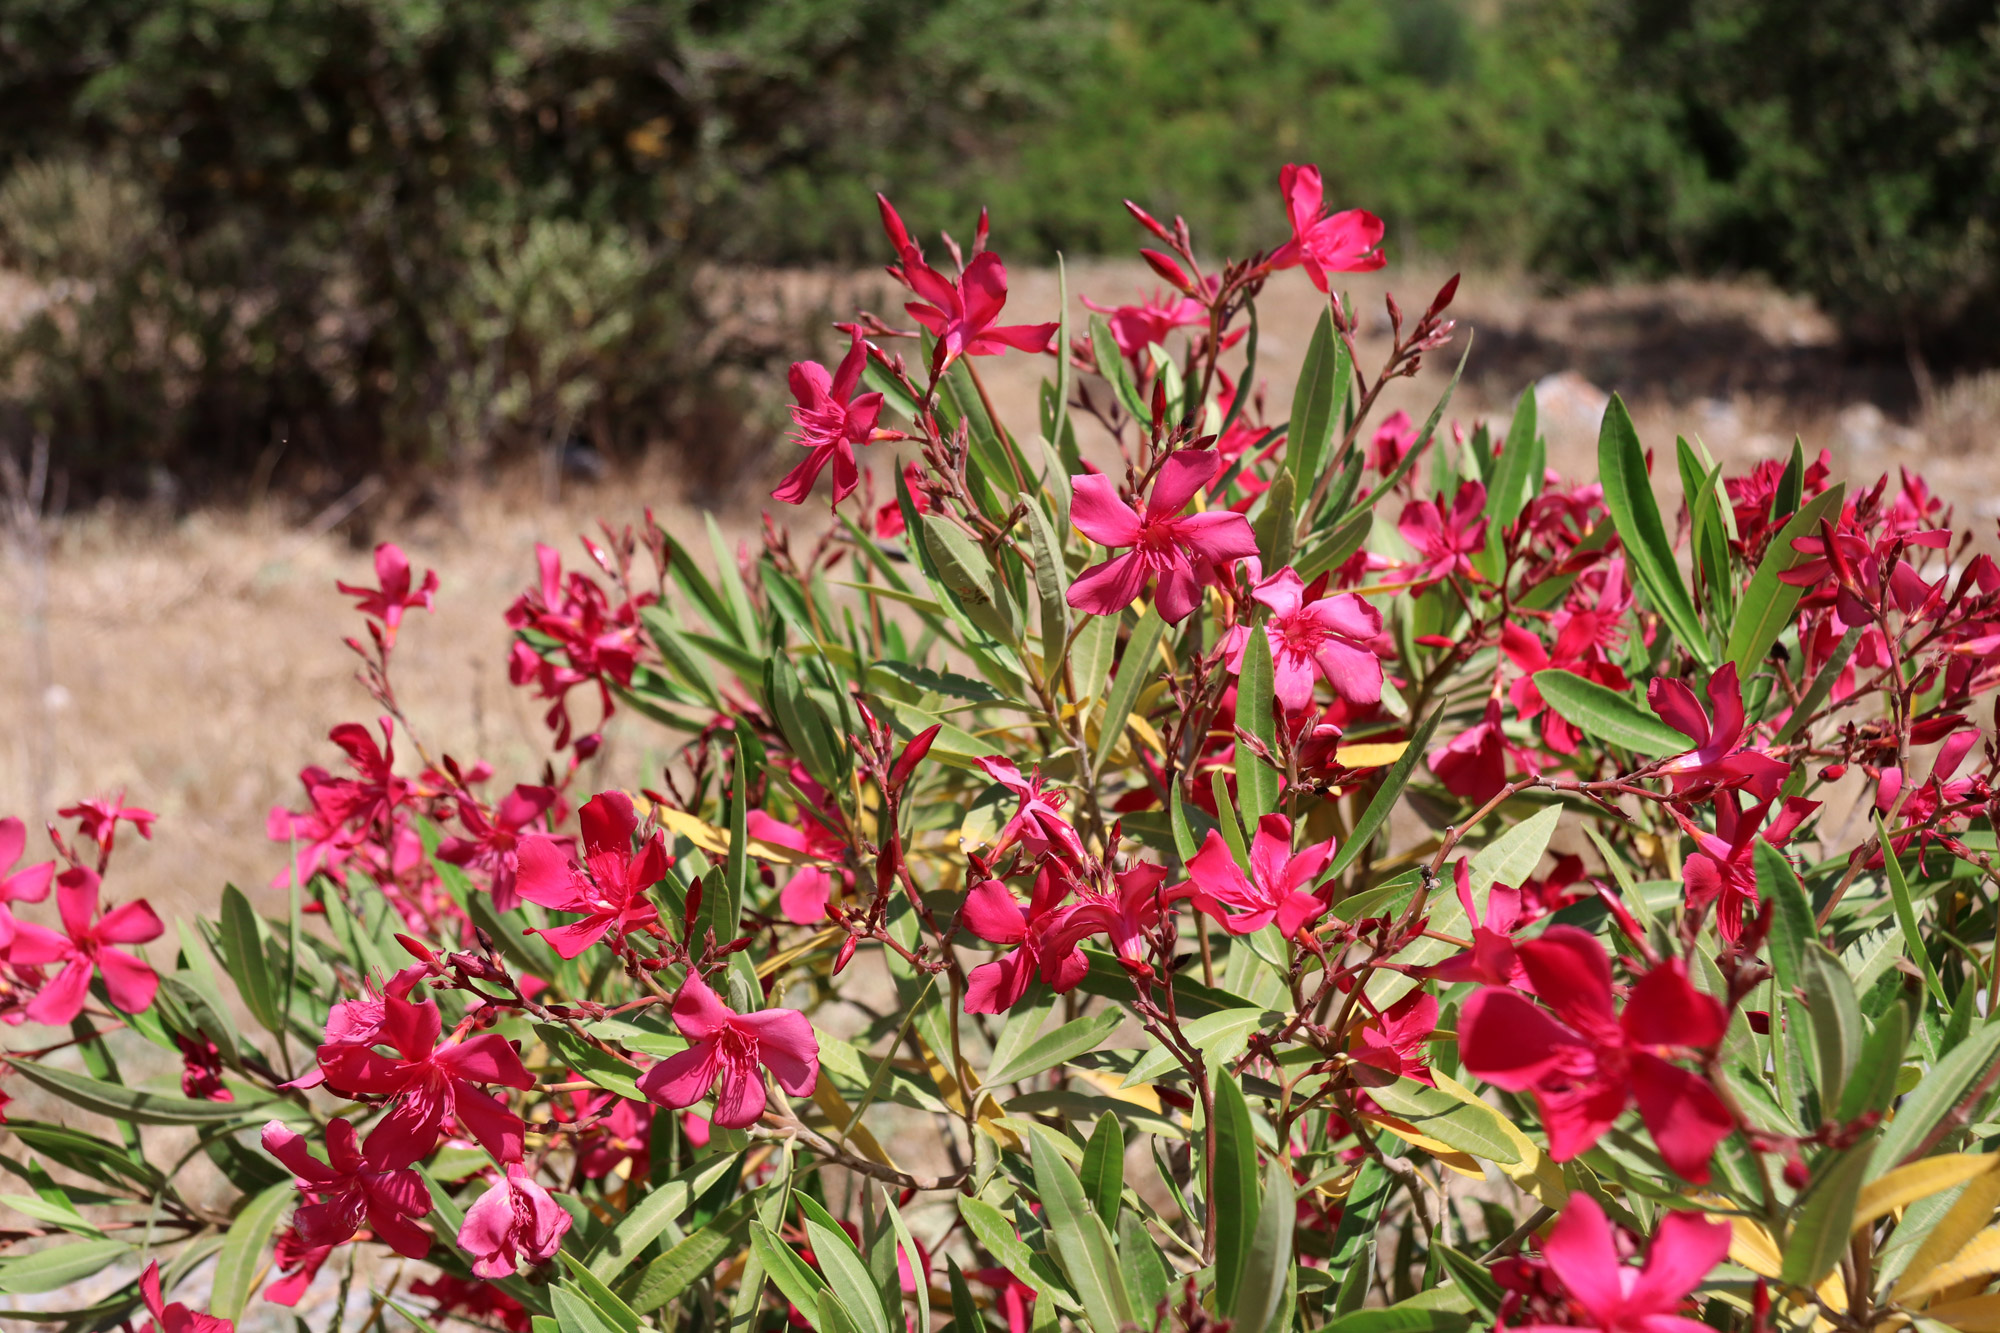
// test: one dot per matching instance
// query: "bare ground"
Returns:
(195, 661)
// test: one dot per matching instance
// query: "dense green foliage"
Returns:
(336, 234)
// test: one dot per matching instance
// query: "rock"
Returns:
(1568, 399)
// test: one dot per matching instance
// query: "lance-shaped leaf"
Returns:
(1768, 603)
(1628, 494)
(1606, 715)
(1081, 1242)
(1235, 1175)
(1256, 780)
(1269, 1263)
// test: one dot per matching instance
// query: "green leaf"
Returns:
(576, 1314)
(1352, 1264)
(1628, 494)
(728, 910)
(1927, 1104)
(1220, 1037)
(1314, 397)
(1825, 1215)
(1448, 1120)
(1236, 1203)
(1065, 1043)
(653, 1214)
(1386, 796)
(1340, 542)
(121, 1103)
(811, 735)
(1111, 365)
(1607, 715)
(585, 1284)
(1791, 483)
(1269, 1262)
(1256, 780)
(675, 1271)
(1051, 585)
(249, 967)
(1768, 603)
(1147, 1278)
(612, 1075)
(58, 1266)
(964, 566)
(1090, 658)
(911, 1255)
(1103, 1171)
(1080, 1241)
(990, 1227)
(846, 1275)
(1906, 915)
(964, 1309)
(1881, 1062)
(1836, 1021)
(242, 1256)
(793, 1276)
(1136, 668)
(1516, 480)
(1399, 1319)
(1472, 1278)
(1277, 522)
(1792, 925)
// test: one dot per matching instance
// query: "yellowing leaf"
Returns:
(716, 843)
(1378, 754)
(777, 962)
(1980, 1257)
(1976, 1314)
(1534, 1174)
(1954, 1230)
(838, 1112)
(1752, 1247)
(1463, 1163)
(1141, 1095)
(1919, 1180)
(987, 1111)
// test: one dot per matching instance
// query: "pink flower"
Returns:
(432, 1082)
(1124, 914)
(387, 602)
(85, 948)
(299, 1263)
(623, 1134)
(1583, 1253)
(1312, 636)
(609, 888)
(353, 1183)
(1177, 550)
(991, 913)
(961, 314)
(1445, 542)
(1719, 755)
(1345, 242)
(831, 421)
(98, 819)
(1722, 870)
(176, 1318)
(29, 884)
(1136, 327)
(1491, 959)
(1394, 1039)
(1585, 1064)
(495, 842)
(201, 1070)
(1473, 764)
(515, 1223)
(1394, 439)
(1037, 824)
(726, 1053)
(1278, 888)
(804, 897)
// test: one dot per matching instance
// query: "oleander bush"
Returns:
(1319, 873)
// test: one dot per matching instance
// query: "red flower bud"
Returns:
(1796, 1174)
(846, 954)
(1146, 220)
(912, 755)
(416, 948)
(1168, 269)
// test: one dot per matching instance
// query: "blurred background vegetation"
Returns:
(313, 238)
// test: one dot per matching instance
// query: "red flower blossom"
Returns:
(29, 884)
(201, 1070)
(1473, 764)
(1585, 1064)
(1394, 439)
(1278, 888)
(1394, 1039)
(1123, 914)
(1720, 755)
(355, 1182)
(610, 887)
(961, 314)
(1179, 550)
(393, 596)
(1445, 542)
(1608, 1295)
(991, 913)
(495, 839)
(431, 1083)
(1721, 872)
(176, 1318)
(1136, 327)
(1345, 242)
(98, 819)
(728, 1050)
(515, 1223)
(478, 1302)
(1314, 636)
(830, 421)
(299, 1263)
(85, 948)
(1491, 959)
(1037, 824)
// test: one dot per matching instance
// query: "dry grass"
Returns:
(197, 660)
